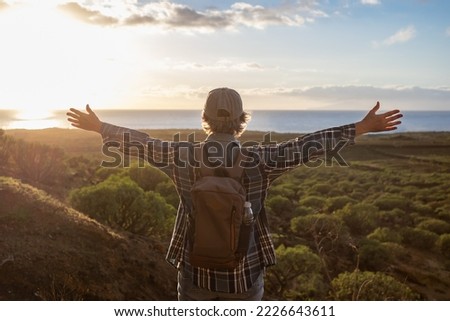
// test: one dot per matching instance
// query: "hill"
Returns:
(387, 212)
(49, 251)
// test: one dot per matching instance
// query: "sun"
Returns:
(50, 61)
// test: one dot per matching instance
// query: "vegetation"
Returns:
(120, 202)
(365, 286)
(376, 230)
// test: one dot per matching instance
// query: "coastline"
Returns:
(75, 141)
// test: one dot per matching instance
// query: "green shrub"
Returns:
(324, 232)
(373, 255)
(422, 209)
(147, 177)
(385, 234)
(303, 210)
(120, 202)
(286, 190)
(443, 213)
(336, 203)
(395, 217)
(296, 276)
(104, 172)
(409, 192)
(360, 218)
(281, 211)
(418, 238)
(435, 225)
(321, 189)
(370, 286)
(345, 186)
(444, 245)
(390, 202)
(167, 190)
(397, 251)
(315, 202)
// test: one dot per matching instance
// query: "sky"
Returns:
(287, 54)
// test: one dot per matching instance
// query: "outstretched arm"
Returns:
(378, 123)
(86, 121)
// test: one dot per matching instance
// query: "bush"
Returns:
(418, 238)
(38, 163)
(370, 286)
(385, 234)
(321, 189)
(373, 255)
(390, 202)
(120, 202)
(286, 190)
(443, 213)
(280, 205)
(296, 276)
(315, 202)
(395, 217)
(435, 225)
(336, 203)
(147, 177)
(303, 210)
(444, 245)
(425, 210)
(167, 190)
(104, 172)
(325, 233)
(345, 187)
(360, 218)
(5, 148)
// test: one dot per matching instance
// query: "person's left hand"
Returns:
(378, 123)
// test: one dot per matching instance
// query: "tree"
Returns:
(327, 235)
(147, 177)
(444, 245)
(38, 163)
(296, 276)
(338, 202)
(435, 225)
(315, 202)
(418, 238)
(389, 202)
(360, 218)
(281, 210)
(373, 255)
(5, 149)
(385, 234)
(120, 202)
(370, 286)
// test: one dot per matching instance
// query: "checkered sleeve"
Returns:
(139, 144)
(286, 155)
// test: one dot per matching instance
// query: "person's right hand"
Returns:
(86, 121)
(374, 122)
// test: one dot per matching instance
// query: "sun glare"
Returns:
(50, 61)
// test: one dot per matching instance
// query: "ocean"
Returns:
(285, 121)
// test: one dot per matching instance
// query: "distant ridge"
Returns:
(49, 251)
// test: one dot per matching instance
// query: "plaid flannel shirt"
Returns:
(267, 163)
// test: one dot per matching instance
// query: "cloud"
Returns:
(326, 97)
(447, 32)
(401, 36)
(87, 15)
(351, 96)
(223, 65)
(3, 5)
(175, 15)
(371, 2)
